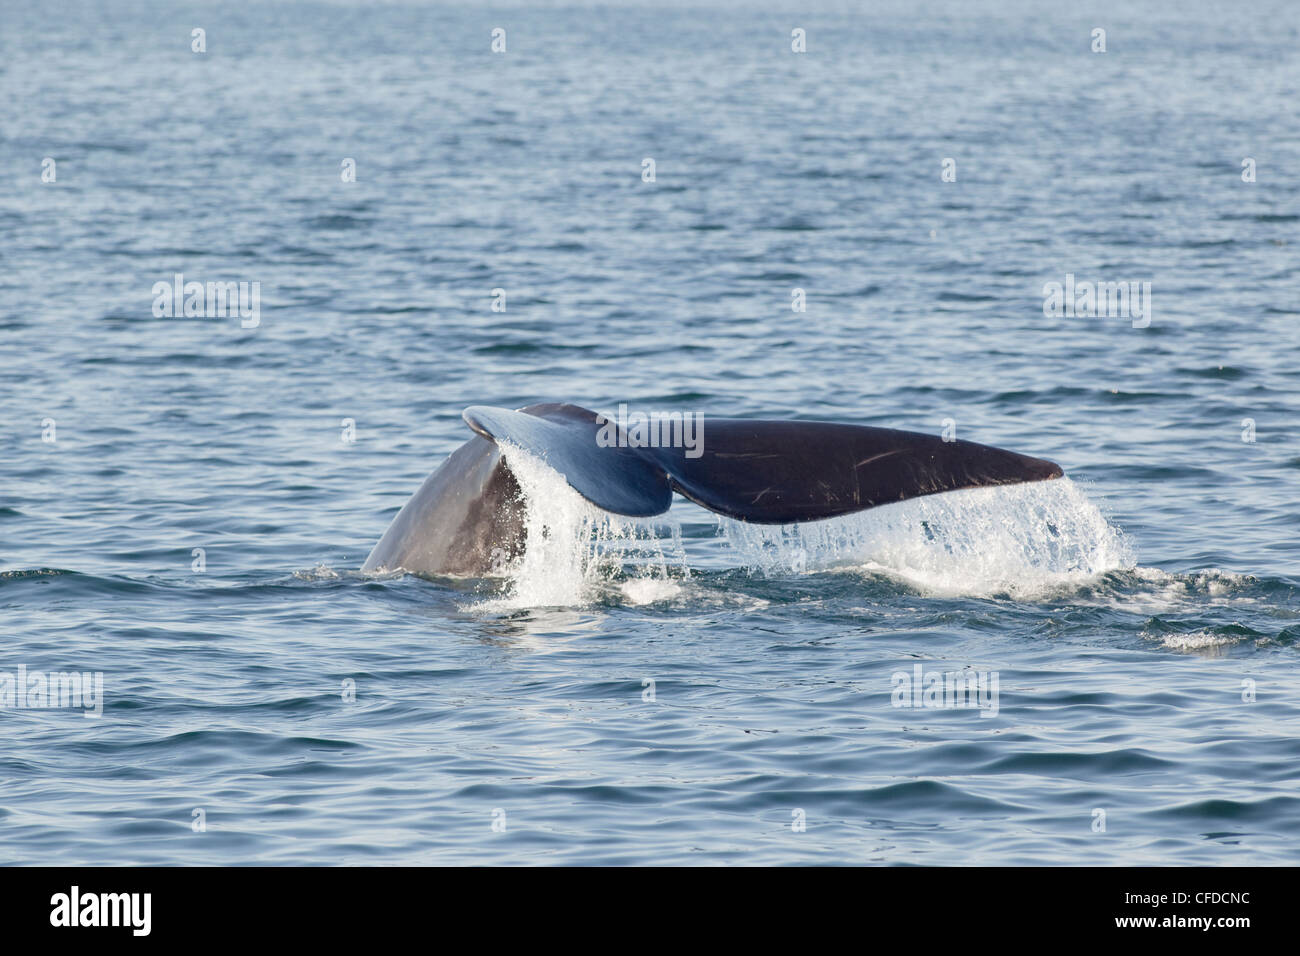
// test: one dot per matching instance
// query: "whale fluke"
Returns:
(766, 472)
(465, 517)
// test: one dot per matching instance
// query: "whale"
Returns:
(468, 517)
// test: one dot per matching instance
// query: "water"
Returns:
(1121, 611)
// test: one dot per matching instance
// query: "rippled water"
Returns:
(1125, 612)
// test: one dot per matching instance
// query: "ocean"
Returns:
(629, 204)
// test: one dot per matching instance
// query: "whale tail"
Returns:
(767, 472)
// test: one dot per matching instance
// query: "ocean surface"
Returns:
(185, 502)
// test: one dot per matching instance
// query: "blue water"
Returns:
(1126, 612)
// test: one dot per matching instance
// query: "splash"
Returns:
(1022, 540)
(577, 553)
(321, 572)
(1204, 643)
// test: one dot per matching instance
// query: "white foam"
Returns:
(651, 590)
(321, 572)
(1154, 591)
(1198, 642)
(1022, 540)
